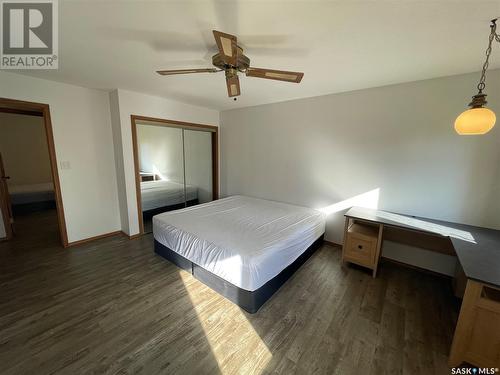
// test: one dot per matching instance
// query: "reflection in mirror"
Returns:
(198, 163)
(161, 170)
(175, 168)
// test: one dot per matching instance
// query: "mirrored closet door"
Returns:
(175, 166)
(198, 165)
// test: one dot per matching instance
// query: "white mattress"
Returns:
(31, 188)
(161, 193)
(246, 241)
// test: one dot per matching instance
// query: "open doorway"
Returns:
(176, 166)
(30, 195)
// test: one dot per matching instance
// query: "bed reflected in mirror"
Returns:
(175, 168)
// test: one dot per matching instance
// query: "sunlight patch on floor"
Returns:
(235, 344)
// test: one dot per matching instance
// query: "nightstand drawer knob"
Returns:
(360, 247)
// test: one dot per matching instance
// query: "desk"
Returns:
(477, 335)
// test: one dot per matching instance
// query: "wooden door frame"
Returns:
(5, 201)
(214, 130)
(43, 110)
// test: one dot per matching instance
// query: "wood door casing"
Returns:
(43, 110)
(5, 205)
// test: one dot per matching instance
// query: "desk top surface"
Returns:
(477, 248)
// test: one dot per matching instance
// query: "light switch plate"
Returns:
(65, 164)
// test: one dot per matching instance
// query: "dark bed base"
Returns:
(155, 211)
(248, 301)
(27, 208)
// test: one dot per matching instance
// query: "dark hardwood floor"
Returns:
(148, 225)
(113, 306)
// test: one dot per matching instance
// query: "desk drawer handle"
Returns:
(360, 247)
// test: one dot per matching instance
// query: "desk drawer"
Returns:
(360, 250)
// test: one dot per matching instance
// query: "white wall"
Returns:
(398, 139)
(82, 135)
(118, 156)
(24, 149)
(125, 103)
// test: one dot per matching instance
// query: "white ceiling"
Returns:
(339, 45)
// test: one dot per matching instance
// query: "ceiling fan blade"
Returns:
(233, 86)
(187, 71)
(280, 75)
(228, 47)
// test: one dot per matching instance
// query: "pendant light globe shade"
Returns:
(475, 121)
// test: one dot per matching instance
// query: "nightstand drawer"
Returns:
(360, 250)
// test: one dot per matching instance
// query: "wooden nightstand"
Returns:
(362, 244)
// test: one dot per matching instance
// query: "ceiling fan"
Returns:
(231, 60)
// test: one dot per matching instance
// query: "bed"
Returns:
(32, 197)
(245, 248)
(162, 194)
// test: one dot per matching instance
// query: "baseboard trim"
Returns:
(90, 239)
(334, 244)
(133, 236)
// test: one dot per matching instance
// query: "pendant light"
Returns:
(478, 119)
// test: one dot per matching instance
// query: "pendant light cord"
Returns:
(493, 35)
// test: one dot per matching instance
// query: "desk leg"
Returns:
(344, 241)
(379, 247)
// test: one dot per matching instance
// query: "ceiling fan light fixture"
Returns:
(231, 72)
(231, 60)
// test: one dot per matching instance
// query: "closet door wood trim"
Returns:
(172, 124)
